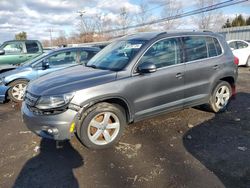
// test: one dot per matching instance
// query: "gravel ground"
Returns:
(189, 148)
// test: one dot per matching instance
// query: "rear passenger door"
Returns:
(200, 67)
(163, 89)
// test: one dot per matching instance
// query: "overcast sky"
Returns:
(37, 17)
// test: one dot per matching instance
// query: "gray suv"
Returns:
(133, 78)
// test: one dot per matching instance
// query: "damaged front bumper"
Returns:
(3, 93)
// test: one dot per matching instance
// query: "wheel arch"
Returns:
(229, 79)
(117, 101)
(25, 79)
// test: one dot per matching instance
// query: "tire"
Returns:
(17, 90)
(220, 97)
(101, 126)
(248, 62)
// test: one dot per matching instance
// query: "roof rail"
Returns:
(162, 33)
(205, 30)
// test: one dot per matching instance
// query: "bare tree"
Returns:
(124, 19)
(171, 9)
(87, 27)
(208, 20)
(103, 23)
(143, 16)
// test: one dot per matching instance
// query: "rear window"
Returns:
(212, 51)
(218, 47)
(32, 47)
(201, 47)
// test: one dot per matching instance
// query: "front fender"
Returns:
(3, 93)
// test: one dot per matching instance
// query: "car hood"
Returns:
(69, 80)
(16, 70)
(5, 68)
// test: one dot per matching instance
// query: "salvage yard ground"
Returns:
(188, 148)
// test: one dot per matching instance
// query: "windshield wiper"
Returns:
(92, 66)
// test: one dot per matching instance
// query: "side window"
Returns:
(241, 45)
(62, 58)
(233, 45)
(163, 53)
(16, 47)
(218, 46)
(32, 47)
(195, 48)
(85, 56)
(211, 47)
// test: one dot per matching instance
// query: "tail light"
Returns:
(236, 60)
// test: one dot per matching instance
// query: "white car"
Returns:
(241, 49)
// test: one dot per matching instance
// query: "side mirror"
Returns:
(146, 67)
(45, 65)
(2, 52)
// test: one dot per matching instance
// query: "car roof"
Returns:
(76, 48)
(151, 35)
(21, 41)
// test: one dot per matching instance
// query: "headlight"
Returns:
(55, 101)
(2, 81)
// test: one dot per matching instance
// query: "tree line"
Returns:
(237, 21)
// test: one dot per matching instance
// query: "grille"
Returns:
(30, 99)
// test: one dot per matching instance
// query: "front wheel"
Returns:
(220, 97)
(17, 90)
(102, 126)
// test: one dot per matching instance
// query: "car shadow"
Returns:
(52, 167)
(222, 144)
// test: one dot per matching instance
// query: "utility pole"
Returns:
(50, 33)
(81, 12)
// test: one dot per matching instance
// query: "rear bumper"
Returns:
(3, 93)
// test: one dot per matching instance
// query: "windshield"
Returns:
(116, 55)
(34, 60)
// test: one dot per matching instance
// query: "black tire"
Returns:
(86, 131)
(248, 62)
(217, 97)
(12, 93)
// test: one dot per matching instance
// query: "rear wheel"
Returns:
(248, 62)
(220, 97)
(17, 90)
(102, 126)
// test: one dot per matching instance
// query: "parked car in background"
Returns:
(241, 50)
(135, 77)
(16, 52)
(15, 81)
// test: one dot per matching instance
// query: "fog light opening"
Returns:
(52, 131)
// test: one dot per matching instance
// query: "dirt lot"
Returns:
(189, 148)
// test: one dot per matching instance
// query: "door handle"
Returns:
(179, 75)
(215, 67)
(20, 56)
